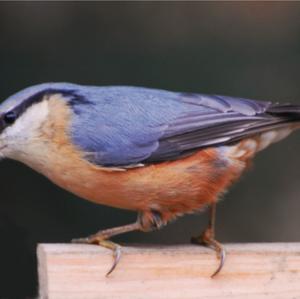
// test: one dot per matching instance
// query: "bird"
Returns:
(160, 153)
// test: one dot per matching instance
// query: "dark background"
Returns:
(240, 49)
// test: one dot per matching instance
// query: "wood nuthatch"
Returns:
(160, 153)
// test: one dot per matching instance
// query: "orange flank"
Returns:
(172, 188)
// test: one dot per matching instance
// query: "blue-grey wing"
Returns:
(121, 126)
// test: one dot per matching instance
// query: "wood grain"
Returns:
(169, 272)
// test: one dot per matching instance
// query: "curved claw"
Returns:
(222, 256)
(101, 238)
(117, 256)
(206, 239)
(117, 252)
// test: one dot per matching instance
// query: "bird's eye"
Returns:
(10, 117)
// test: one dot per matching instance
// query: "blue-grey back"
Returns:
(129, 125)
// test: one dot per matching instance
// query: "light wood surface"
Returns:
(69, 271)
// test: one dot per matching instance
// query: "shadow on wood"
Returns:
(251, 271)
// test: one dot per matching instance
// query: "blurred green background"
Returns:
(241, 49)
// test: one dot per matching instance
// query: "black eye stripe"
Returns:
(38, 97)
(8, 118)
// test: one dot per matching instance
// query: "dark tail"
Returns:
(286, 111)
(275, 117)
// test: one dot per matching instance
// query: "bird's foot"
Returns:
(102, 240)
(208, 239)
(102, 237)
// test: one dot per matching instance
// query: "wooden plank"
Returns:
(169, 272)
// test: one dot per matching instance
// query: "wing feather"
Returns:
(132, 126)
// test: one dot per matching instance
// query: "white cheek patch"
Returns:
(19, 138)
(28, 123)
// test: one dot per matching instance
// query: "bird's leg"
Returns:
(146, 221)
(102, 238)
(208, 239)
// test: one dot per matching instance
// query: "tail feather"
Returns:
(284, 110)
(281, 119)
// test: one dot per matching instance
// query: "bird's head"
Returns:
(27, 116)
